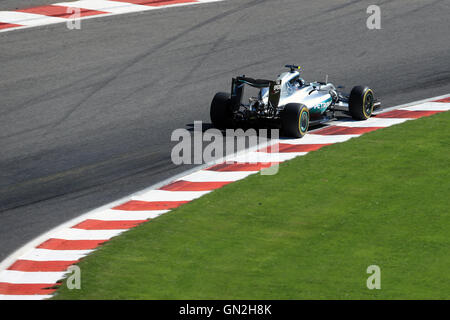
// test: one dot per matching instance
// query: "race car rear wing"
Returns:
(237, 89)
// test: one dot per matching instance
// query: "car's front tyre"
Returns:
(361, 103)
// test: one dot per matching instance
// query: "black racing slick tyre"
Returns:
(295, 120)
(361, 103)
(221, 114)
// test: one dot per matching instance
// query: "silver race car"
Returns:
(289, 103)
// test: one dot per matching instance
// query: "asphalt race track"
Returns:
(86, 115)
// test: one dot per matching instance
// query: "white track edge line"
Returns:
(411, 103)
(106, 14)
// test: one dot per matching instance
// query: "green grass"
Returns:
(309, 232)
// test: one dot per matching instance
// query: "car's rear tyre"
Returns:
(220, 112)
(361, 103)
(295, 120)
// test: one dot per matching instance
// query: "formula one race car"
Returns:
(289, 103)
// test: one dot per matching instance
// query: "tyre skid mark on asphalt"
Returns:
(36, 273)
